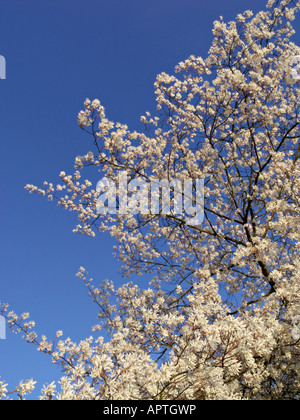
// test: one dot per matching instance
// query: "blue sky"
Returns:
(58, 53)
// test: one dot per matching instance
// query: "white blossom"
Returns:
(220, 317)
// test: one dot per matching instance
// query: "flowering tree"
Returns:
(219, 319)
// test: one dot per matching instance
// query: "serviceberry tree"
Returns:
(219, 319)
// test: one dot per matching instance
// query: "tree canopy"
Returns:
(220, 317)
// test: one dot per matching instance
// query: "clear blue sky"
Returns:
(59, 52)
